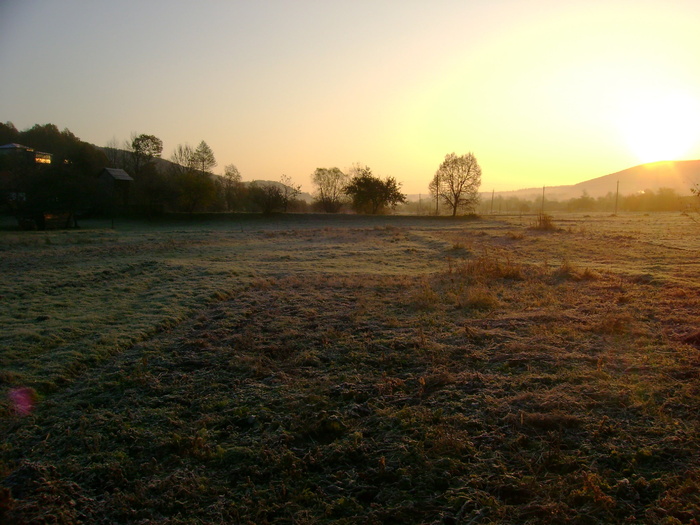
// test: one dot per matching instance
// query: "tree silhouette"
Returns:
(330, 185)
(203, 158)
(145, 148)
(371, 194)
(457, 182)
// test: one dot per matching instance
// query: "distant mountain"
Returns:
(679, 175)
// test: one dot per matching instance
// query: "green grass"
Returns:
(369, 372)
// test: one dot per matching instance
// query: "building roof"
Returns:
(13, 145)
(117, 174)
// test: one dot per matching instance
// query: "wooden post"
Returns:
(437, 195)
(542, 209)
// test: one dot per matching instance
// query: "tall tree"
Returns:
(371, 194)
(204, 159)
(330, 185)
(457, 181)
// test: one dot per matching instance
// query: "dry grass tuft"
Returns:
(544, 222)
(545, 421)
(614, 323)
(478, 298)
(424, 297)
(489, 266)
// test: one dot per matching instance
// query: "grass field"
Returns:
(321, 369)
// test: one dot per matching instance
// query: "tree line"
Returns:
(185, 182)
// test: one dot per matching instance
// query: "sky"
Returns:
(543, 92)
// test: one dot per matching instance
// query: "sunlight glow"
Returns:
(660, 127)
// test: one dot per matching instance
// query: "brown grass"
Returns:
(353, 374)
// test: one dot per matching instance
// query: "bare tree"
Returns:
(195, 185)
(330, 188)
(183, 158)
(289, 190)
(115, 155)
(457, 181)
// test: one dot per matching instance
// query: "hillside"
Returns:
(165, 165)
(677, 175)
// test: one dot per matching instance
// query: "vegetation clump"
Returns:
(544, 222)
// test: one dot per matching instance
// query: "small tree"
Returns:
(289, 191)
(116, 156)
(182, 159)
(195, 186)
(197, 191)
(457, 181)
(371, 194)
(330, 188)
(232, 187)
(267, 197)
(203, 158)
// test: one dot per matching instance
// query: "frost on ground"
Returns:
(396, 372)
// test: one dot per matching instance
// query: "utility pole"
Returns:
(492, 193)
(437, 194)
(542, 209)
(617, 192)
(112, 199)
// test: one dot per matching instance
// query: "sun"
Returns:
(660, 127)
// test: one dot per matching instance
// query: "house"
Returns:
(115, 185)
(16, 162)
(29, 154)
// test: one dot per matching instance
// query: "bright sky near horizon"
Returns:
(543, 92)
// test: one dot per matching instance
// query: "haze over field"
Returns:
(544, 93)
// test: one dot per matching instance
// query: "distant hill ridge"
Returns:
(679, 175)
